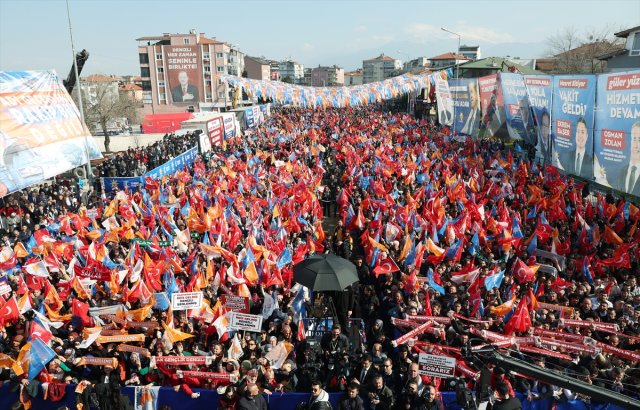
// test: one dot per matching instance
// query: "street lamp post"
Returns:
(457, 72)
(84, 125)
(408, 58)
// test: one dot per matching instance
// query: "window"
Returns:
(144, 72)
(221, 69)
(160, 69)
(207, 68)
(206, 55)
(207, 83)
(208, 96)
(162, 96)
(146, 99)
(219, 55)
(146, 86)
(635, 47)
(220, 81)
(161, 83)
(144, 58)
(158, 56)
(186, 41)
(221, 94)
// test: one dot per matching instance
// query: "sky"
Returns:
(34, 35)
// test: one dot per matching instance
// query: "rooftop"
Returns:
(450, 56)
(382, 57)
(589, 47)
(488, 63)
(167, 36)
(260, 60)
(101, 77)
(130, 87)
(625, 33)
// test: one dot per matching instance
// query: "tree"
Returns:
(576, 51)
(103, 106)
(287, 79)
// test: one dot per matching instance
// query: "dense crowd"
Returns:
(442, 230)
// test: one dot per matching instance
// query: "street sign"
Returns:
(436, 366)
(242, 321)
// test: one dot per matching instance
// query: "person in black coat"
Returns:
(364, 372)
(351, 400)
(319, 399)
(252, 399)
(344, 303)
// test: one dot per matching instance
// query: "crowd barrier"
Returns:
(210, 399)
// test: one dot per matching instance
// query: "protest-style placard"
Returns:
(436, 366)
(186, 301)
(235, 303)
(4, 286)
(243, 321)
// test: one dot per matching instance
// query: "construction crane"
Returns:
(70, 82)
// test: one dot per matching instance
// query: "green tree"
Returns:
(287, 79)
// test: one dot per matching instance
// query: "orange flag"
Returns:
(504, 308)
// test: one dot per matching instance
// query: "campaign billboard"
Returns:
(250, 119)
(466, 101)
(41, 133)
(540, 91)
(617, 131)
(445, 103)
(182, 73)
(516, 104)
(493, 113)
(229, 120)
(573, 103)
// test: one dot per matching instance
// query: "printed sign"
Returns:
(617, 131)
(214, 129)
(445, 102)
(540, 92)
(186, 300)
(236, 303)
(182, 73)
(466, 99)
(494, 116)
(519, 118)
(4, 286)
(148, 242)
(436, 366)
(41, 133)
(242, 321)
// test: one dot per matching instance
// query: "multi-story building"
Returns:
(627, 56)
(293, 70)
(379, 68)
(448, 59)
(258, 68)
(178, 72)
(472, 52)
(307, 76)
(90, 87)
(419, 62)
(353, 77)
(331, 76)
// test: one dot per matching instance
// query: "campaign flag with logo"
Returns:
(466, 101)
(573, 104)
(616, 133)
(516, 106)
(540, 93)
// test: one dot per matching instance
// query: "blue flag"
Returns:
(40, 355)
(493, 281)
(284, 258)
(433, 284)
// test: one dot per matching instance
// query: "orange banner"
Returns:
(121, 338)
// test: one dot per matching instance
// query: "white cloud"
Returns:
(382, 39)
(483, 34)
(306, 47)
(360, 28)
(420, 28)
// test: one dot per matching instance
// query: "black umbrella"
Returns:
(325, 272)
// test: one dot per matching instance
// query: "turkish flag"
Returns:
(520, 321)
(81, 310)
(10, 311)
(622, 261)
(522, 272)
(386, 266)
(37, 330)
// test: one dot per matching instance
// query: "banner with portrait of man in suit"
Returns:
(494, 116)
(617, 131)
(183, 74)
(540, 92)
(517, 108)
(466, 99)
(445, 102)
(573, 104)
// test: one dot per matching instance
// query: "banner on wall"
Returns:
(516, 103)
(573, 103)
(540, 91)
(178, 163)
(182, 73)
(466, 100)
(41, 132)
(445, 103)
(493, 113)
(617, 131)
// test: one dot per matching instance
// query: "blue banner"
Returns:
(516, 105)
(573, 104)
(540, 91)
(617, 131)
(179, 162)
(466, 101)
(249, 118)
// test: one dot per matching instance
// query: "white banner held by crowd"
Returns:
(436, 366)
(243, 321)
(186, 301)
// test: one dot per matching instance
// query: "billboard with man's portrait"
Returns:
(466, 99)
(517, 108)
(617, 131)
(573, 103)
(182, 73)
(493, 113)
(540, 91)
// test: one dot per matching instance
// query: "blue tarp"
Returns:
(210, 399)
